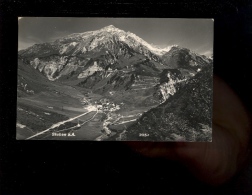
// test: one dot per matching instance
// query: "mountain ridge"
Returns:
(114, 30)
(109, 44)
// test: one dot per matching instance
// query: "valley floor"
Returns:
(65, 112)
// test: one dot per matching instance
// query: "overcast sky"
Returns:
(195, 34)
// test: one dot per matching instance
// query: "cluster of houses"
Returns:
(106, 106)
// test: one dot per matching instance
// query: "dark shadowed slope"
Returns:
(184, 116)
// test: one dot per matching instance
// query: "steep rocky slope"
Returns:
(185, 116)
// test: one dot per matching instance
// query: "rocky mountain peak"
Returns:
(111, 29)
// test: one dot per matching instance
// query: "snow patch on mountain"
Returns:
(168, 89)
(50, 66)
(110, 28)
(139, 41)
(50, 70)
(35, 63)
(67, 47)
(91, 70)
(96, 41)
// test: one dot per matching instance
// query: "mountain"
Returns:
(108, 46)
(111, 69)
(186, 116)
(29, 80)
(179, 57)
(110, 51)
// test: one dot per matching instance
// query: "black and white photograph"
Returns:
(115, 79)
